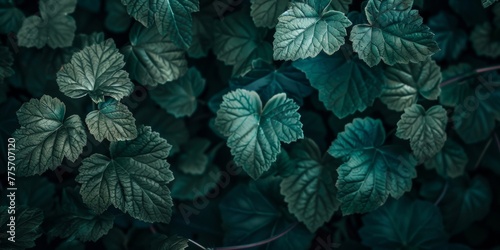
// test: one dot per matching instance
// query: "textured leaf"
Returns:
(170, 17)
(27, 229)
(265, 12)
(483, 41)
(345, 85)
(255, 132)
(424, 129)
(202, 36)
(113, 121)
(162, 242)
(268, 81)
(310, 190)
(453, 94)
(449, 36)
(371, 172)
(308, 28)
(117, 19)
(406, 81)
(450, 161)
(341, 5)
(74, 220)
(11, 18)
(194, 161)
(95, 71)
(487, 3)
(179, 97)
(54, 27)
(45, 137)
(404, 224)
(152, 58)
(395, 34)
(134, 178)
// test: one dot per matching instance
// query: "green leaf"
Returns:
(308, 28)
(268, 81)
(471, 12)
(74, 220)
(453, 94)
(406, 81)
(35, 192)
(54, 27)
(169, 17)
(237, 42)
(484, 41)
(424, 129)
(27, 228)
(404, 224)
(95, 71)
(194, 161)
(192, 186)
(162, 242)
(310, 190)
(345, 85)
(179, 97)
(448, 34)
(202, 36)
(395, 34)
(255, 132)
(487, 3)
(11, 18)
(341, 5)
(152, 58)
(134, 178)
(372, 171)
(450, 161)
(84, 40)
(6, 61)
(265, 12)
(117, 19)
(45, 137)
(113, 121)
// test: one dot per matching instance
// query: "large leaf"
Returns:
(308, 28)
(310, 190)
(134, 178)
(95, 71)
(45, 137)
(54, 27)
(450, 161)
(449, 36)
(404, 224)
(179, 97)
(170, 17)
(11, 18)
(265, 12)
(394, 34)
(345, 84)
(112, 121)
(254, 132)
(372, 172)
(406, 81)
(27, 227)
(424, 129)
(152, 58)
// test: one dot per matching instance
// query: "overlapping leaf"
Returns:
(112, 121)
(450, 161)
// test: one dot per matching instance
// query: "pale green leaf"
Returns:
(95, 71)
(113, 121)
(255, 132)
(450, 161)
(45, 137)
(265, 12)
(487, 3)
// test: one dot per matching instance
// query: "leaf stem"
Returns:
(477, 71)
(197, 244)
(260, 242)
(441, 196)
(483, 153)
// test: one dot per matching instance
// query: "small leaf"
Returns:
(95, 71)
(255, 132)
(424, 129)
(450, 161)
(194, 161)
(308, 28)
(27, 230)
(45, 137)
(265, 12)
(179, 97)
(483, 41)
(113, 121)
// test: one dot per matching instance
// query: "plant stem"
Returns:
(196, 244)
(477, 71)
(483, 152)
(260, 242)
(441, 196)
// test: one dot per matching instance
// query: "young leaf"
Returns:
(179, 97)
(424, 129)
(255, 132)
(406, 81)
(310, 190)
(268, 81)
(54, 27)
(74, 220)
(487, 3)
(265, 12)
(134, 178)
(345, 85)
(450, 161)
(395, 34)
(152, 58)
(484, 42)
(448, 34)
(113, 121)
(95, 71)
(11, 18)
(404, 224)
(169, 17)
(194, 161)
(372, 171)
(308, 28)
(45, 137)
(27, 230)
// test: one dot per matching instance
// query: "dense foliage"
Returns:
(250, 124)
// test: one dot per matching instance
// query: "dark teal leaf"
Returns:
(117, 19)
(194, 160)
(11, 18)
(484, 41)
(341, 5)
(162, 242)
(202, 36)
(27, 229)
(450, 37)
(453, 94)
(192, 186)
(450, 161)
(265, 12)
(470, 11)
(112, 121)
(6, 61)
